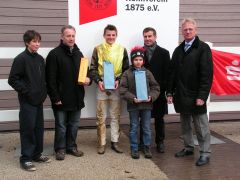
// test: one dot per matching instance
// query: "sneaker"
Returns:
(43, 159)
(135, 154)
(75, 152)
(101, 149)
(116, 148)
(147, 152)
(60, 155)
(28, 166)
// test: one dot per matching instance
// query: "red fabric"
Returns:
(91, 10)
(226, 73)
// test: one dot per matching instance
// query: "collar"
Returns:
(69, 50)
(190, 42)
(30, 53)
(135, 69)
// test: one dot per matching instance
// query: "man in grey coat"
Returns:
(190, 80)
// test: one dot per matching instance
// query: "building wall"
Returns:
(218, 22)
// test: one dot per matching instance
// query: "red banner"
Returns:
(92, 10)
(226, 73)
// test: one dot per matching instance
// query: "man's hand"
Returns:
(87, 82)
(199, 102)
(58, 103)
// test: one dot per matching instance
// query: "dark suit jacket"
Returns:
(158, 65)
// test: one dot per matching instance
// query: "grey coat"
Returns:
(128, 89)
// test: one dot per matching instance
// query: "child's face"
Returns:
(33, 45)
(138, 62)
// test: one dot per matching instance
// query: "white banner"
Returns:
(131, 18)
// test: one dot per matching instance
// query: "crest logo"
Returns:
(98, 4)
(93, 10)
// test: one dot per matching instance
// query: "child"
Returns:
(27, 77)
(138, 108)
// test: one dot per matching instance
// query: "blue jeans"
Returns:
(135, 116)
(66, 128)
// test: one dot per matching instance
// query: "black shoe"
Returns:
(116, 148)
(147, 152)
(202, 160)
(60, 155)
(28, 166)
(160, 147)
(183, 153)
(43, 159)
(75, 152)
(135, 154)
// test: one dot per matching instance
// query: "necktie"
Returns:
(187, 46)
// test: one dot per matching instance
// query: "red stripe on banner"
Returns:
(92, 10)
(226, 73)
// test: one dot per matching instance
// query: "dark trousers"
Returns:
(66, 128)
(159, 130)
(31, 131)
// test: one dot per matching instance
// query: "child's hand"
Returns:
(148, 100)
(101, 85)
(137, 101)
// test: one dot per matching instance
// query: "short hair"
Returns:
(110, 27)
(147, 29)
(189, 20)
(67, 27)
(29, 35)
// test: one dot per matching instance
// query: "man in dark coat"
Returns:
(157, 61)
(67, 96)
(190, 80)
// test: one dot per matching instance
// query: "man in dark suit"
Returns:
(157, 61)
(190, 80)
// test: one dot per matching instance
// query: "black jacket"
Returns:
(191, 75)
(27, 77)
(62, 67)
(158, 65)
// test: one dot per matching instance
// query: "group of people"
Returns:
(185, 80)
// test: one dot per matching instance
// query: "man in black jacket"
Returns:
(190, 80)
(157, 61)
(67, 96)
(27, 77)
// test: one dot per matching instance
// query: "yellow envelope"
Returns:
(83, 70)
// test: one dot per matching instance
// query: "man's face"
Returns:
(33, 45)
(189, 31)
(149, 38)
(110, 36)
(68, 37)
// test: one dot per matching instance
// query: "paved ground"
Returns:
(91, 166)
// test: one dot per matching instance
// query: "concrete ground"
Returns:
(91, 166)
